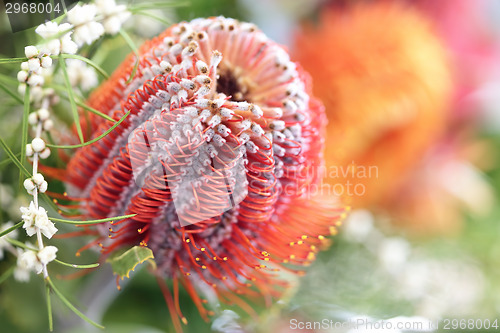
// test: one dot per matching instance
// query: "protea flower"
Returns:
(384, 78)
(218, 159)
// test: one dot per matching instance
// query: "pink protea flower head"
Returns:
(218, 159)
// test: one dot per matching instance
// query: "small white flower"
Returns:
(38, 145)
(28, 217)
(3, 241)
(81, 75)
(34, 64)
(86, 29)
(47, 126)
(46, 61)
(31, 51)
(37, 218)
(29, 185)
(29, 150)
(43, 114)
(68, 45)
(35, 80)
(43, 155)
(42, 221)
(24, 264)
(114, 15)
(47, 254)
(22, 76)
(28, 260)
(55, 42)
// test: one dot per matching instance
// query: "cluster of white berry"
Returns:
(85, 24)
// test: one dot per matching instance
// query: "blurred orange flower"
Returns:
(386, 84)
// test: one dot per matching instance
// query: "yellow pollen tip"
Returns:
(266, 259)
(184, 320)
(203, 267)
(224, 278)
(187, 240)
(292, 243)
(197, 259)
(188, 274)
(333, 231)
(304, 237)
(78, 254)
(285, 261)
(54, 201)
(343, 216)
(292, 256)
(225, 258)
(313, 247)
(215, 258)
(202, 249)
(138, 230)
(300, 242)
(265, 253)
(311, 256)
(321, 237)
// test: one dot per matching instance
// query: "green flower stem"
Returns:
(109, 219)
(93, 140)
(71, 306)
(71, 95)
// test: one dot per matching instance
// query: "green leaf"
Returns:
(71, 306)
(126, 262)
(14, 158)
(24, 131)
(11, 60)
(88, 61)
(71, 96)
(93, 140)
(129, 41)
(7, 231)
(49, 307)
(5, 275)
(75, 265)
(94, 111)
(93, 221)
(153, 16)
(157, 5)
(11, 94)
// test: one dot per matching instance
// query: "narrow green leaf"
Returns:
(155, 17)
(71, 306)
(8, 231)
(88, 61)
(7, 274)
(71, 95)
(93, 140)
(19, 244)
(94, 111)
(126, 262)
(11, 94)
(12, 60)
(157, 5)
(14, 158)
(130, 43)
(93, 221)
(24, 131)
(75, 265)
(49, 307)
